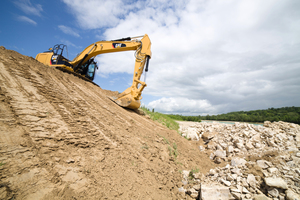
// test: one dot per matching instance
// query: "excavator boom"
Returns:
(85, 66)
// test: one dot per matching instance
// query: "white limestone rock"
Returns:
(185, 174)
(239, 145)
(201, 148)
(192, 133)
(192, 192)
(267, 124)
(260, 197)
(235, 190)
(229, 149)
(234, 176)
(181, 189)
(223, 145)
(236, 195)
(245, 191)
(209, 192)
(244, 182)
(227, 183)
(197, 187)
(229, 177)
(208, 135)
(262, 163)
(290, 195)
(211, 146)
(251, 180)
(257, 145)
(236, 171)
(238, 161)
(273, 192)
(298, 140)
(272, 170)
(220, 154)
(249, 146)
(276, 182)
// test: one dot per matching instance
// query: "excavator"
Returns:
(84, 65)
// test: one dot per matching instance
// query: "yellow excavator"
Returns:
(83, 64)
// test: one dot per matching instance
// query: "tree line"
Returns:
(286, 114)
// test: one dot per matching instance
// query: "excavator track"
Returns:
(76, 74)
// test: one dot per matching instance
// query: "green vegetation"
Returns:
(166, 140)
(191, 174)
(173, 150)
(196, 170)
(286, 114)
(1, 164)
(161, 118)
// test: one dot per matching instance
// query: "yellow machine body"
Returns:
(84, 65)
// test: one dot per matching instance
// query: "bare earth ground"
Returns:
(62, 138)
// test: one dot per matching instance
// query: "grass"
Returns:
(161, 118)
(196, 170)
(1, 164)
(168, 122)
(145, 146)
(191, 174)
(165, 139)
(173, 152)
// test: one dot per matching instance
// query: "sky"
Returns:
(208, 56)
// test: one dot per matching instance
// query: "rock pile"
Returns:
(263, 161)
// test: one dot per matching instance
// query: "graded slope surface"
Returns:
(62, 138)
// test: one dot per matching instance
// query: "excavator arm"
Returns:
(131, 97)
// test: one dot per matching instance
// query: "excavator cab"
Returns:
(57, 59)
(88, 69)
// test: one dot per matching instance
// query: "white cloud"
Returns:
(179, 105)
(69, 31)
(26, 19)
(92, 14)
(116, 62)
(27, 7)
(234, 55)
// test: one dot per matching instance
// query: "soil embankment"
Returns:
(62, 138)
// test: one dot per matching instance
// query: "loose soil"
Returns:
(62, 138)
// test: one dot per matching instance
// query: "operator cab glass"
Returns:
(91, 70)
(88, 69)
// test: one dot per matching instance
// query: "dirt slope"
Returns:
(62, 138)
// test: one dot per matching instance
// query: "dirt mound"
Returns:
(62, 138)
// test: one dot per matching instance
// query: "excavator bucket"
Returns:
(131, 97)
(126, 101)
